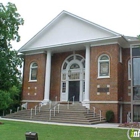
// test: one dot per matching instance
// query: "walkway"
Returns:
(101, 125)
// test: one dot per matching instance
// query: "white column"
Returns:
(47, 77)
(87, 73)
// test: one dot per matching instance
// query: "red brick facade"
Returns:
(118, 82)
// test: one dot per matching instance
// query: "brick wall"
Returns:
(112, 52)
(57, 61)
(34, 90)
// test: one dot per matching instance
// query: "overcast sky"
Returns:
(122, 16)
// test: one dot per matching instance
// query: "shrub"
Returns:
(109, 116)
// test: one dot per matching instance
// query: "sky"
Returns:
(121, 16)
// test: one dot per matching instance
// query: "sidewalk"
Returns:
(101, 125)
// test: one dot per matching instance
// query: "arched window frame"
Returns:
(33, 68)
(129, 69)
(103, 73)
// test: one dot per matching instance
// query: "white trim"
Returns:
(31, 67)
(54, 21)
(87, 73)
(102, 61)
(83, 42)
(47, 77)
(106, 102)
(65, 95)
(32, 101)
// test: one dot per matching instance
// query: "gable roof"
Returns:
(67, 28)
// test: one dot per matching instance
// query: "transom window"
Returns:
(74, 66)
(103, 66)
(33, 72)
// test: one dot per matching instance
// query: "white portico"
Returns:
(68, 33)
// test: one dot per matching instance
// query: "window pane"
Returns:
(136, 71)
(136, 115)
(74, 66)
(136, 51)
(63, 87)
(104, 57)
(70, 58)
(79, 58)
(34, 74)
(104, 68)
(136, 93)
(34, 65)
(65, 65)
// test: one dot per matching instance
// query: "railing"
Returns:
(31, 115)
(24, 105)
(17, 109)
(68, 105)
(53, 108)
(128, 117)
(100, 112)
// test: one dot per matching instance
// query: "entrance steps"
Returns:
(68, 113)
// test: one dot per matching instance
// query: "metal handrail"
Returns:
(94, 111)
(10, 111)
(17, 109)
(35, 109)
(69, 101)
(128, 117)
(53, 108)
(24, 105)
(31, 114)
(100, 112)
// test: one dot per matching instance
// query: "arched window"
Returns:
(129, 69)
(33, 72)
(103, 66)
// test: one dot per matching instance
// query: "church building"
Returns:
(72, 58)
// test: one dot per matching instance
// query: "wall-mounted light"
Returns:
(69, 73)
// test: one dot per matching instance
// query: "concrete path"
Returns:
(101, 125)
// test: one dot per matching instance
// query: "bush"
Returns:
(109, 116)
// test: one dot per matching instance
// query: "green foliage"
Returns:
(10, 76)
(10, 21)
(5, 100)
(109, 115)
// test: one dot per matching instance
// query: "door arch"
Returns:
(73, 76)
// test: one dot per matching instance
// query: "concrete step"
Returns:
(75, 114)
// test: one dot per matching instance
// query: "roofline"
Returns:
(71, 43)
(73, 15)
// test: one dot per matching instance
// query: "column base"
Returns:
(86, 104)
(45, 101)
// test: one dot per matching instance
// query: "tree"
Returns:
(10, 20)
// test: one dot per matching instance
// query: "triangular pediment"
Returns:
(66, 28)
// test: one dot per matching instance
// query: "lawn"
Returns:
(12, 130)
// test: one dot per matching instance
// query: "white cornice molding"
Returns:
(106, 102)
(31, 101)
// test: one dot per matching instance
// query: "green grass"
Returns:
(12, 130)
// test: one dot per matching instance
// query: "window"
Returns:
(33, 71)
(74, 66)
(129, 70)
(103, 66)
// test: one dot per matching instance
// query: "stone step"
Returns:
(75, 114)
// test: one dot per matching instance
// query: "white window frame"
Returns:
(99, 63)
(32, 67)
(129, 69)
